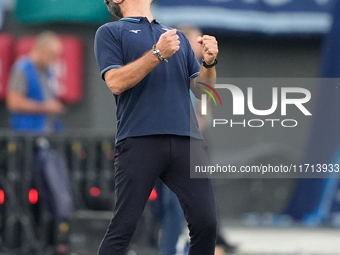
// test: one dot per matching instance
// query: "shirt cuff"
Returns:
(194, 75)
(107, 69)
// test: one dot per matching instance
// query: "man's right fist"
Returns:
(168, 43)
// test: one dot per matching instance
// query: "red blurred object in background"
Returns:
(68, 69)
(2, 197)
(7, 45)
(95, 192)
(33, 196)
(153, 196)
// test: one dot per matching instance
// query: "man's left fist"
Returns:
(209, 48)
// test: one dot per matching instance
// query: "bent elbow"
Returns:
(115, 88)
(114, 83)
(117, 92)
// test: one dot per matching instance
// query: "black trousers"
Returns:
(139, 162)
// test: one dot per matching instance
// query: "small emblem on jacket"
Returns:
(135, 31)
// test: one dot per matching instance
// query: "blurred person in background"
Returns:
(31, 97)
(148, 67)
(35, 109)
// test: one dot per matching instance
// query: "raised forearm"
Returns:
(126, 77)
(206, 76)
(207, 73)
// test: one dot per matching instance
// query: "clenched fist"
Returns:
(209, 48)
(168, 43)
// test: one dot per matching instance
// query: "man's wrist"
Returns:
(208, 65)
(158, 54)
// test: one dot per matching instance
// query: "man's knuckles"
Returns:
(208, 37)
